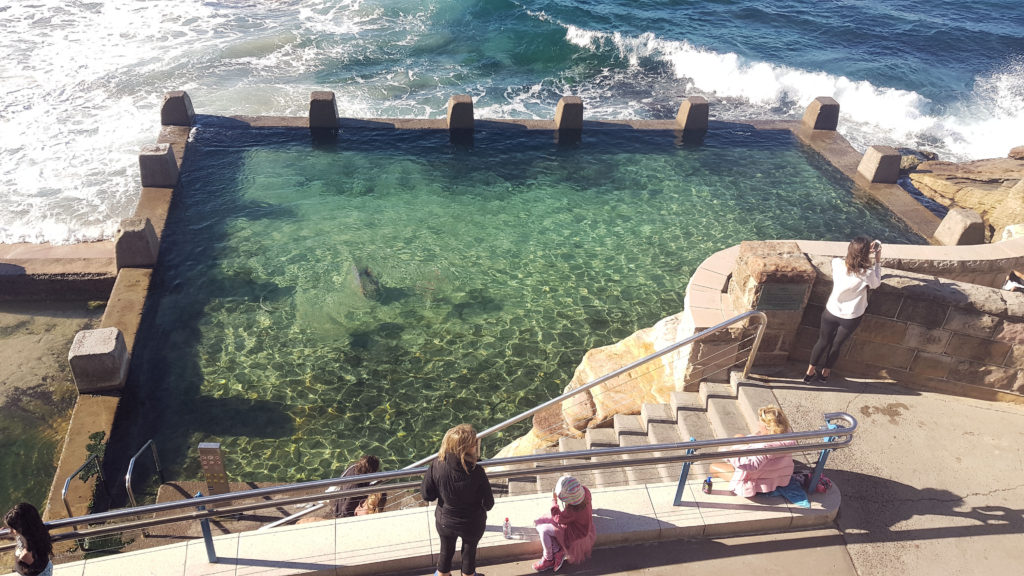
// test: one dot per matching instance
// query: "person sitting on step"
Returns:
(749, 475)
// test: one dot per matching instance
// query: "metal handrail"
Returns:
(67, 482)
(499, 468)
(632, 366)
(131, 468)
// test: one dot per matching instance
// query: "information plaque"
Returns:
(781, 296)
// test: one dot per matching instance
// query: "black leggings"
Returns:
(448, 537)
(833, 333)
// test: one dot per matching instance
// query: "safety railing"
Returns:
(131, 468)
(67, 482)
(839, 435)
(704, 334)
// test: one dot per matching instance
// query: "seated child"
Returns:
(567, 533)
(749, 475)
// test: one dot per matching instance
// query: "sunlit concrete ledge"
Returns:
(407, 541)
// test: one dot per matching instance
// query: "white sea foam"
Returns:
(82, 84)
(987, 124)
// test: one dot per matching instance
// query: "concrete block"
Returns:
(885, 355)
(979, 349)
(822, 114)
(1015, 359)
(960, 227)
(693, 114)
(99, 360)
(136, 244)
(569, 113)
(1010, 332)
(177, 109)
(883, 330)
(460, 112)
(979, 374)
(157, 166)
(323, 111)
(884, 304)
(933, 365)
(971, 322)
(925, 340)
(923, 312)
(880, 164)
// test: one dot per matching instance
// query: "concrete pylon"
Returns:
(323, 111)
(880, 165)
(569, 114)
(136, 244)
(157, 166)
(822, 114)
(460, 113)
(177, 109)
(693, 114)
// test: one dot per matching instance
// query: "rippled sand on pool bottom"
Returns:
(37, 392)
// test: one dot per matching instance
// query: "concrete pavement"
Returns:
(933, 484)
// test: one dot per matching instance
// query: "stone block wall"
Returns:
(930, 332)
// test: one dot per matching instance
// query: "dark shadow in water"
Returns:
(163, 399)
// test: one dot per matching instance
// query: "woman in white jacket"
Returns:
(851, 279)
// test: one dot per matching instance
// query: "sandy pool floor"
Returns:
(37, 392)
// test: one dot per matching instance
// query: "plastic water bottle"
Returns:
(506, 529)
(707, 485)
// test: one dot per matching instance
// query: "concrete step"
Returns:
(751, 396)
(629, 424)
(723, 411)
(546, 482)
(601, 437)
(666, 433)
(691, 419)
(586, 477)
(656, 412)
(638, 475)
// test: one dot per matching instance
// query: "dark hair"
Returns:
(25, 520)
(858, 255)
(367, 464)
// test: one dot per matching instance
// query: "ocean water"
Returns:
(82, 81)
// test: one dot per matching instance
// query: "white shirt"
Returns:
(849, 297)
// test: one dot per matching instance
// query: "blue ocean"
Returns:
(83, 81)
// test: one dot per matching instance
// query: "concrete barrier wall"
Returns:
(922, 330)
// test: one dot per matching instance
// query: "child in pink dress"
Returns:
(567, 533)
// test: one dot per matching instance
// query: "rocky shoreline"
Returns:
(993, 187)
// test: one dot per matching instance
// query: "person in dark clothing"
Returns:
(463, 496)
(33, 546)
(368, 464)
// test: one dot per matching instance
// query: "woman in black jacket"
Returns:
(463, 496)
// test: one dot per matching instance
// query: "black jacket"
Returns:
(462, 499)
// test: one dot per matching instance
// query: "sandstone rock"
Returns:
(909, 162)
(985, 186)
(1017, 153)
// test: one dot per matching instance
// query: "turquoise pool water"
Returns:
(497, 265)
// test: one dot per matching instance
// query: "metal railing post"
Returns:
(204, 525)
(684, 473)
(819, 468)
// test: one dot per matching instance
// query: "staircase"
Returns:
(716, 410)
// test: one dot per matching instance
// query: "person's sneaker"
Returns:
(544, 564)
(559, 560)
